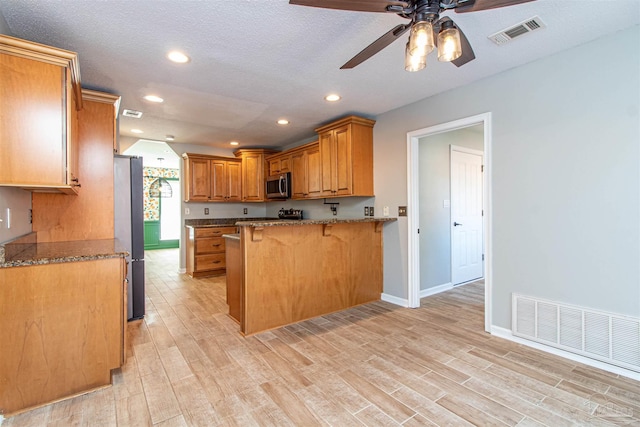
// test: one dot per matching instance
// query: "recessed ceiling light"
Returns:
(170, 137)
(234, 143)
(153, 98)
(178, 57)
(332, 97)
(283, 122)
(136, 131)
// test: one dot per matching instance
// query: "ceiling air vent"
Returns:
(132, 113)
(508, 34)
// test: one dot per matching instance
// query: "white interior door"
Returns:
(466, 215)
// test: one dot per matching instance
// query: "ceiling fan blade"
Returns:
(375, 47)
(487, 4)
(467, 50)
(356, 5)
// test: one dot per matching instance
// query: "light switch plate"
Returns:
(385, 211)
(370, 210)
(446, 203)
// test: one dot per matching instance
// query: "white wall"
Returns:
(566, 175)
(19, 201)
(434, 188)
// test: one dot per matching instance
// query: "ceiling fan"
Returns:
(428, 29)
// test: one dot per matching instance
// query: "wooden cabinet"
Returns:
(253, 173)
(212, 179)
(346, 157)
(65, 324)
(234, 277)
(279, 164)
(226, 181)
(39, 98)
(58, 218)
(206, 250)
(305, 172)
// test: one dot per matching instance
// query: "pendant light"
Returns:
(160, 188)
(414, 62)
(421, 39)
(449, 48)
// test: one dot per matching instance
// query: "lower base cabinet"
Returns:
(63, 330)
(206, 250)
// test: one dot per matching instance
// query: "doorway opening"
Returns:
(437, 206)
(161, 208)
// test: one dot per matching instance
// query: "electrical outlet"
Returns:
(187, 211)
(245, 211)
(385, 211)
(370, 210)
(206, 211)
(402, 211)
(366, 211)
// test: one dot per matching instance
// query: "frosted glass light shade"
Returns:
(414, 62)
(449, 48)
(421, 39)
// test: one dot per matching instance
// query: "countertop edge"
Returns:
(291, 222)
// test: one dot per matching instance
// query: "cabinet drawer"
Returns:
(214, 231)
(210, 262)
(209, 245)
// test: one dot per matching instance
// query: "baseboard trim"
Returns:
(435, 290)
(506, 334)
(182, 270)
(402, 302)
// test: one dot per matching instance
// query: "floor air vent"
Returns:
(608, 337)
(508, 34)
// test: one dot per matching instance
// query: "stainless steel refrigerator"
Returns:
(129, 227)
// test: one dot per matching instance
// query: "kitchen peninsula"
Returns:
(283, 271)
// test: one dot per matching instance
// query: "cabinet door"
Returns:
(253, 182)
(327, 162)
(234, 181)
(34, 116)
(285, 164)
(274, 166)
(343, 161)
(200, 180)
(298, 175)
(313, 176)
(219, 186)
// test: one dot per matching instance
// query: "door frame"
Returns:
(413, 282)
(479, 153)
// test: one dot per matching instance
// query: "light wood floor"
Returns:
(374, 365)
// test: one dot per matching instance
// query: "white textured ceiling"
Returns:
(254, 62)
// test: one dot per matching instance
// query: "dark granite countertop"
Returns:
(219, 222)
(289, 222)
(26, 251)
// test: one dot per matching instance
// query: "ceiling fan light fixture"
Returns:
(414, 63)
(421, 39)
(449, 46)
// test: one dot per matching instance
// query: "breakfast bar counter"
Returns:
(292, 270)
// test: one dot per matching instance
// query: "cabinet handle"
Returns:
(215, 262)
(216, 245)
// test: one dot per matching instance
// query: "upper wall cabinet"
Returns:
(346, 157)
(253, 173)
(212, 179)
(40, 95)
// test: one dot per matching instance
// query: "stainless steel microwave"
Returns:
(279, 186)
